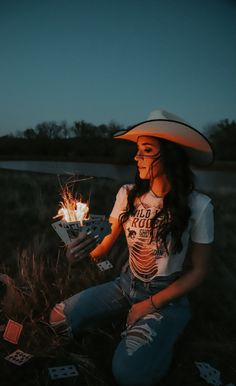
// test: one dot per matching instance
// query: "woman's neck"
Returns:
(160, 186)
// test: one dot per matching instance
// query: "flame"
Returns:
(71, 209)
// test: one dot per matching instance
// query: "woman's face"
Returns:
(148, 159)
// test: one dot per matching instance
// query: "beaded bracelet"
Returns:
(152, 303)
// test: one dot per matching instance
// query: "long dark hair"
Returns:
(174, 217)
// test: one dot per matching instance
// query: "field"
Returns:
(33, 256)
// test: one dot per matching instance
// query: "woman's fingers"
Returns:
(81, 247)
(83, 244)
(82, 236)
(83, 251)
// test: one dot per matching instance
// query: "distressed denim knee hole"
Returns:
(58, 321)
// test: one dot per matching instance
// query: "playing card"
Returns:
(104, 265)
(100, 228)
(18, 357)
(97, 225)
(209, 374)
(59, 227)
(63, 372)
(73, 229)
(12, 331)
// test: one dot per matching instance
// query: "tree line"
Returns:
(82, 129)
(81, 141)
(89, 142)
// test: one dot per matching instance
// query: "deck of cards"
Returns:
(97, 225)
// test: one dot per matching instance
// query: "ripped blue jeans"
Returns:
(144, 353)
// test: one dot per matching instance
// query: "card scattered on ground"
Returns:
(63, 372)
(12, 331)
(18, 357)
(209, 374)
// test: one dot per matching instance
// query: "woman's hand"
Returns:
(81, 247)
(138, 310)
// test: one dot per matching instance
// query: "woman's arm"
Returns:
(85, 245)
(200, 256)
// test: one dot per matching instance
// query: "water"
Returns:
(216, 181)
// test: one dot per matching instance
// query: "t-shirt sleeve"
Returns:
(203, 228)
(120, 203)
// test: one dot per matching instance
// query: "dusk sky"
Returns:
(104, 60)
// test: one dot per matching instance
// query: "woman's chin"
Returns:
(143, 176)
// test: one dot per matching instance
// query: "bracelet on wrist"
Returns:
(153, 304)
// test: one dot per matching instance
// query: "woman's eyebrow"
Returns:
(146, 143)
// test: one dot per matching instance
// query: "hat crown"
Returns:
(162, 114)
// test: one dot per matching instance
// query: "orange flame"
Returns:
(71, 209)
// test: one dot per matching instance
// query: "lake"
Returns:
(218, 181)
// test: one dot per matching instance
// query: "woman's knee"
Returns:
(120, 371)
(58, 322)
(129, 373)
(138, 360)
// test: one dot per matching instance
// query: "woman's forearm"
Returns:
(179, 288)
(200, 257)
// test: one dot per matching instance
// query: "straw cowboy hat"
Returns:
(162, 124)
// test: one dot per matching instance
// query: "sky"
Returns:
(116, 60)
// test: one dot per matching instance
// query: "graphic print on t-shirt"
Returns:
(144, 250)
(200, 229)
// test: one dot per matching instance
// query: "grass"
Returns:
(32, 254)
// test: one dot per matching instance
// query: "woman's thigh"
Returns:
(144, 354)
(86, 308)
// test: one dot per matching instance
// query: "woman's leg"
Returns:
(88, 307)
(145, 351)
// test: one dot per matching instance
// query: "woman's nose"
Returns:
(137, 156)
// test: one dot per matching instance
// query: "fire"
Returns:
(71, 209)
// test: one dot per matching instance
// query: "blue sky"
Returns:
(103, 60)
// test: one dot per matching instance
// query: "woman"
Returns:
(164, 220)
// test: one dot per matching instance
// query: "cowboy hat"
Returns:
(162, 124)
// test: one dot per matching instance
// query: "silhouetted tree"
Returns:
(48, 130)
(84, 129)
(223, 138)
(65, 130)
(113, 127)
(29, 134)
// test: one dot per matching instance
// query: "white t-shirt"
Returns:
(147, 258)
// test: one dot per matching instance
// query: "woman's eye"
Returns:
(148, 150)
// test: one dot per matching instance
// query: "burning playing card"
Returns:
(95, 225)
(75, 219)
(12, 331)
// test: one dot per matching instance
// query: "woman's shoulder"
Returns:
(121, 200)
(125, 189)
(198, 200)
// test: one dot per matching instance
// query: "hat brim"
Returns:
(195, 143)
